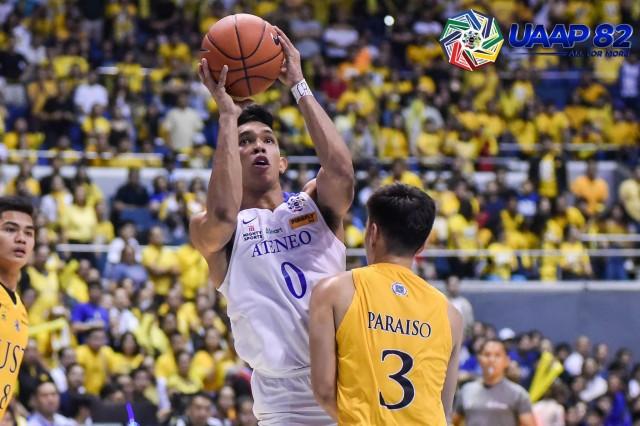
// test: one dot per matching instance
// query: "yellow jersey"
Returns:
(394, 345)
(14, 335)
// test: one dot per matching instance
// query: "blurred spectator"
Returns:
(574, 260)
(493, 399)
(33, 371)
(460, 302)
(126, 237)
(591, 188)
(56, 167)
(121, 318)
(128, 267)
(399, 173)
(182, 382)
(306, 32)
(130, 195)
(95, 357)
(57, 114)
(56, 201)
(90, 315)
(629, 193)
(182, 123)
(244, 408)
(160, 261)
(548, 411)
(573, 364)
(46, 404)
(198, 413)
(595, 385)
(630, 82)
(75, 390)
(90, 94)
(225, 405)
(66, 357)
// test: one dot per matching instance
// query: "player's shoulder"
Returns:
(432, 290)
(334, 282)
(332, 288)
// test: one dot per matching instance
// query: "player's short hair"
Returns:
(257, 113)
(16, 204)
(404, 215)
(494, 340)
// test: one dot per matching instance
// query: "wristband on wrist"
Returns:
(300, 89)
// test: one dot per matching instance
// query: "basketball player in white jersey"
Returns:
(265, 249)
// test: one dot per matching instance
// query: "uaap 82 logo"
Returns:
(471, 39)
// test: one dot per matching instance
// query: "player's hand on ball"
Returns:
(226, 105)
(291, 71)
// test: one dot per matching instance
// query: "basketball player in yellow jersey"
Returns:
(384, 343)
(17, 238)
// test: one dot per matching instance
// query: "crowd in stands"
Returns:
(89, 83)
(592, 385)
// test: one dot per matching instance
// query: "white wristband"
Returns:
(300, 89)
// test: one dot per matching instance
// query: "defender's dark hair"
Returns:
(405, 216)
(255, 112)
(16, 204)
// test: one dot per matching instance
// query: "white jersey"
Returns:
(277, 258)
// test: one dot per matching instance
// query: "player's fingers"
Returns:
(286, 43)
(223, 77)
(205, 74)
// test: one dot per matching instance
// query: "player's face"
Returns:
(493, 360)
(17, 238)
(260, 156)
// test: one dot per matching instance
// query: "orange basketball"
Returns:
(250, 47)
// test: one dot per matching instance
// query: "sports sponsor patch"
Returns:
(305, 219)
(251, 229)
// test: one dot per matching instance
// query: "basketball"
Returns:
(250, 47)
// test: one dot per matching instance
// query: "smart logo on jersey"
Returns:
(399, 289)
(471, 40)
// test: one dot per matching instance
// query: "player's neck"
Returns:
(9, 279)
(407, 262)
(269, 199)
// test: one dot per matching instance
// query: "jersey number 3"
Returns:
(287, 279)
(408, 391)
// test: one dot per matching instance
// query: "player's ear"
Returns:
(374, 233)
(282, 167)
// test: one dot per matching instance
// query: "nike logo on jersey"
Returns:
(248, 221)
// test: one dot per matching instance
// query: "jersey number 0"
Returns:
(287, 279)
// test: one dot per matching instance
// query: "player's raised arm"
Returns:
(451, 380)
(335, 181)
(322, 341)
(211, 230)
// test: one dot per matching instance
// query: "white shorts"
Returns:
(286, 401)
